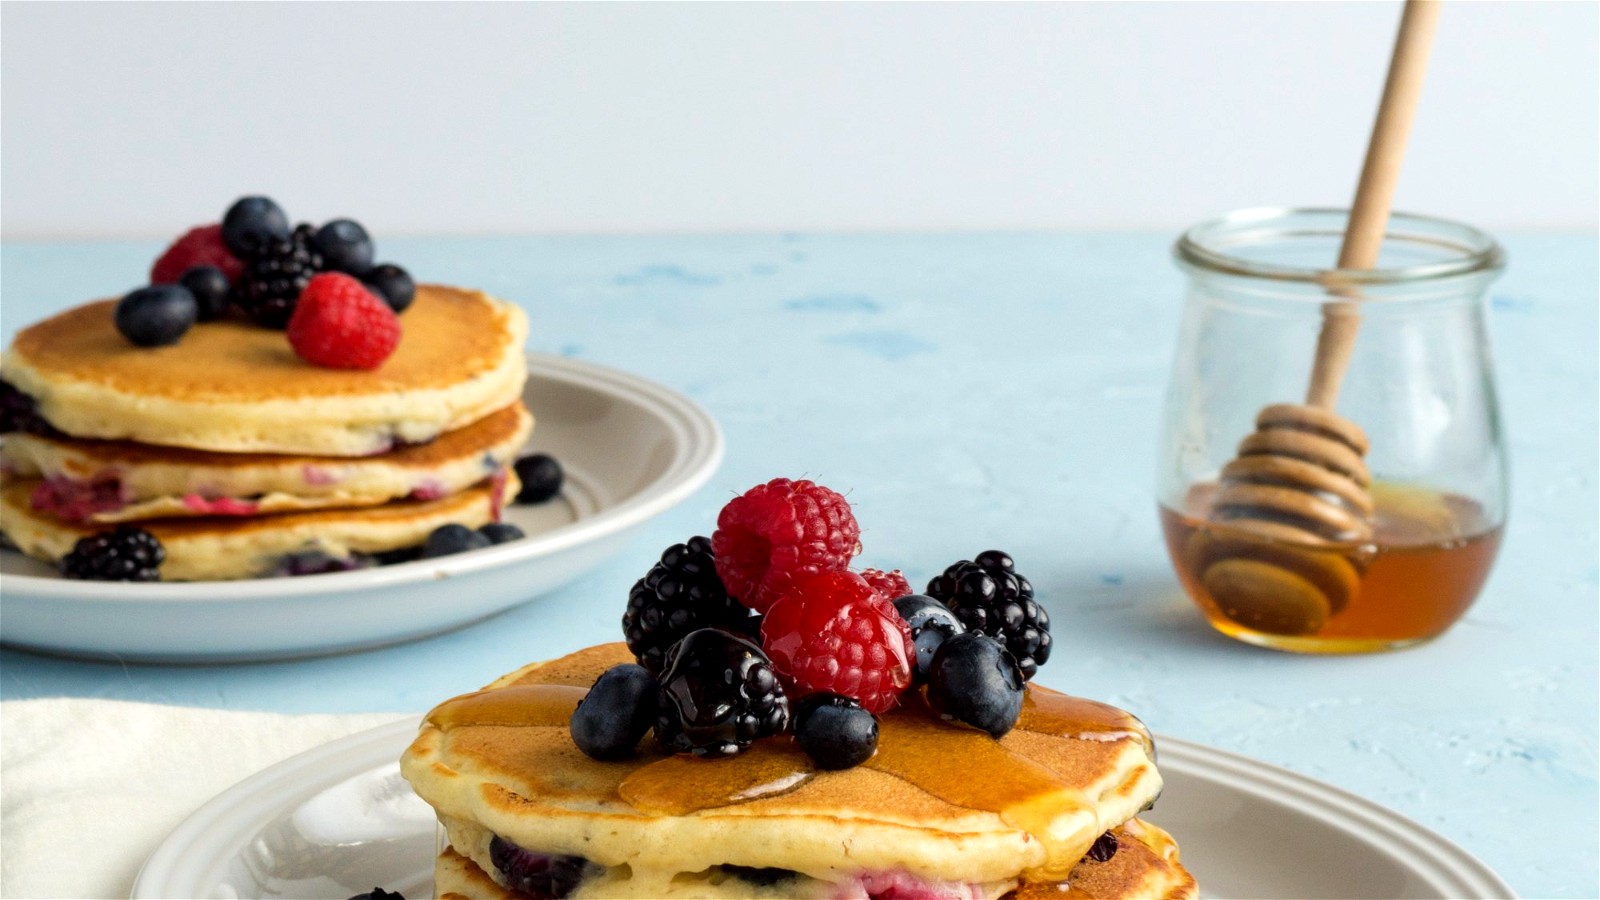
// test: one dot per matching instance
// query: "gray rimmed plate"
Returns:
(631, 449)
(339, 820)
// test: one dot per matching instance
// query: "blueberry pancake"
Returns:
(230, 386)
(230, 547)
(120, 481)
(940, 810)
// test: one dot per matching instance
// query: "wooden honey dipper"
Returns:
(1300, 481)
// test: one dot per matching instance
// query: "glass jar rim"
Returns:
(1478, 252)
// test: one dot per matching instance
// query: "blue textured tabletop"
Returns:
(969, 391)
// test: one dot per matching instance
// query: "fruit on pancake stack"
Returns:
(273, 402)
(778, 724)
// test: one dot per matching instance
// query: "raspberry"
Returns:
(890, 585)
(833, 632)
(777, 532)
(199, 246)
(338, 323)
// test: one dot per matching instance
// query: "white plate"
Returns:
(630, 448)
(339, 820)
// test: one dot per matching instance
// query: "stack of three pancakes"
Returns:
(246, 461)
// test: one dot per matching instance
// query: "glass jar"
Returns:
(1420, 385)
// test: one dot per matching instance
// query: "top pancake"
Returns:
(231, 386)
(969, 809)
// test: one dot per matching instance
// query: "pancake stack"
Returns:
(244, 460)
(941, 811)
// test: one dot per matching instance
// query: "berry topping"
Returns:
(501, 532)
(211, 289)
(889, 585)
(345, 247)
(156, 316)
(988, 595)
(835, 731)
(616, 712)
(833, 633)
(932, 623)
(976, 681)
(541, 478)
(274, 276)
(777, 532)
(393, 284)
(1103, 848)
(379, 893)
(199, 246)
(679, 594)
(719, 693)
(126, 554)
(541, 876)
(252, 224)
(448, 539)
(339, 324)
(19, 412)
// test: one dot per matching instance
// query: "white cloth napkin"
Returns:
(89, 788)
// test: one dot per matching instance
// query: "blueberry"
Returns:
(210, 288)
(448, 539)
(500, 532)
(542, 876)
(397, 556)
(976, 681)
(345, 247)
(835, 731)
(157, 315)
(541, 478)
(1103, 848)
(393, 284)
(932, 623)
(616, 712)
(252, 223)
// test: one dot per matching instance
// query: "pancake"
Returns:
(943, 804)
(233, 387)
(219, 548)
(1146, 865)
(122, 481)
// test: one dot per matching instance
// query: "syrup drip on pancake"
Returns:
(519, 706)
(915, 747)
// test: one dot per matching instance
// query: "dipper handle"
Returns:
(1369, 214)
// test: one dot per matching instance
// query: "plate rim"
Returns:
(1466, 874)
(699, 459)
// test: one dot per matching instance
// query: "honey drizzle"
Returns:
(520, 705)
(914, 746)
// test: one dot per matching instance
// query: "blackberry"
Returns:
(127, 554)
(988, 596)
(275, 275)
(542, 876)
(679, 594)
(19, 412)
(719, 694)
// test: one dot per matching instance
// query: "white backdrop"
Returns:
(137, 118)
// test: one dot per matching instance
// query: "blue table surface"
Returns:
(980, 390)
